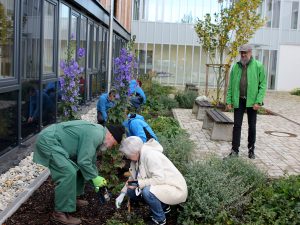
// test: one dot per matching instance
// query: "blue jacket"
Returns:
(135, 127)
(104, 104)
(134, 88)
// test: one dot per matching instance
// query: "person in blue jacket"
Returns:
(136, 125)
(34, 105)
(137, 94)
(105, 102)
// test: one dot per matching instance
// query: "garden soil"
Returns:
(38, 208)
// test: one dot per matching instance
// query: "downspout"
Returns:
(111, 20)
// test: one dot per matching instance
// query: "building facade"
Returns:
(167, 43)
(34, 35)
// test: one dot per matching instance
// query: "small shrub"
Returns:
(167, 102)
(186, 99)
(166, 126)
(178, 149)
(111, 162)
(219, 191)
(296, 91)
(276, 203)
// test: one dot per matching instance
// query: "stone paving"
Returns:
(277, 155)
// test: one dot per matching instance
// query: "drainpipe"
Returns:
(111, 20)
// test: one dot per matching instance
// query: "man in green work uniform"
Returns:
(68, 149)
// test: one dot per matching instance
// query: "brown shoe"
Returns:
(81, 203)
(65, 218)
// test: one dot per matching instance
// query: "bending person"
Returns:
(68, 149)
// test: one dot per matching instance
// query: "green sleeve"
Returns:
(262, 85)
(229, 90)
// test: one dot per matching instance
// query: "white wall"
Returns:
(288, 68)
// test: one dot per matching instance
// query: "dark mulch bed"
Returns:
(37, 209)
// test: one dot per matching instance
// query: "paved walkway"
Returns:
(277, 155)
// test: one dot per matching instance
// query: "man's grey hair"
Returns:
(131, 145)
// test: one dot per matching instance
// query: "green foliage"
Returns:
(186, 99)
(168, 102)
(229, 29)
(117, 114)
(178, 149)
(121, 218)
(110, 163)
(296, 91)
(166, 126)
(152, 88)
(219, 190)
(276, 203)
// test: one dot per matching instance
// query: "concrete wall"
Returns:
(288, 68)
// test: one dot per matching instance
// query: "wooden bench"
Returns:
(191, 87)
(199, 108)
(221, 126)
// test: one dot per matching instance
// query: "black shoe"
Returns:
(167, 210)
(232, 154)
(155, 222)
(251, 155)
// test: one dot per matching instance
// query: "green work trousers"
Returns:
(69, 182)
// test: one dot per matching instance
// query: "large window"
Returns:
(49, 26)
(273, 13)
(30, 64)
(295, 12)
(74, 35)
(63, 32)
(6, 38)
(8, 120)
(174, 11)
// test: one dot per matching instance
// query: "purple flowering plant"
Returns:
(125, 68)
(69, 81)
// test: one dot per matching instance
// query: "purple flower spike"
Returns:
(81, 52)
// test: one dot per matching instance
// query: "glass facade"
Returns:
(295, 13)
(8, 120)
(30, 59)
(173, 11)
(7, 20)
(49, 19)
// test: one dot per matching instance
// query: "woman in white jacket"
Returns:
(155, 177)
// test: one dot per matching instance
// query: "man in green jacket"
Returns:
(246, 91)
(68, 149)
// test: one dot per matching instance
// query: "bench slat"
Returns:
(218, 116)
(203, 103)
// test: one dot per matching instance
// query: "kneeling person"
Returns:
(153, 176)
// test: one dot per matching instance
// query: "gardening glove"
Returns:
(99, 182)
(119, 200)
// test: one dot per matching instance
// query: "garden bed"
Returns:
(38, 208)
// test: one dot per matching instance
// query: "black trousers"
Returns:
(238, 121)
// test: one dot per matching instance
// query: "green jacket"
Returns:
(75, 140)
(256, 84)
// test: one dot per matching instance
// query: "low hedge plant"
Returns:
(219, 191)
